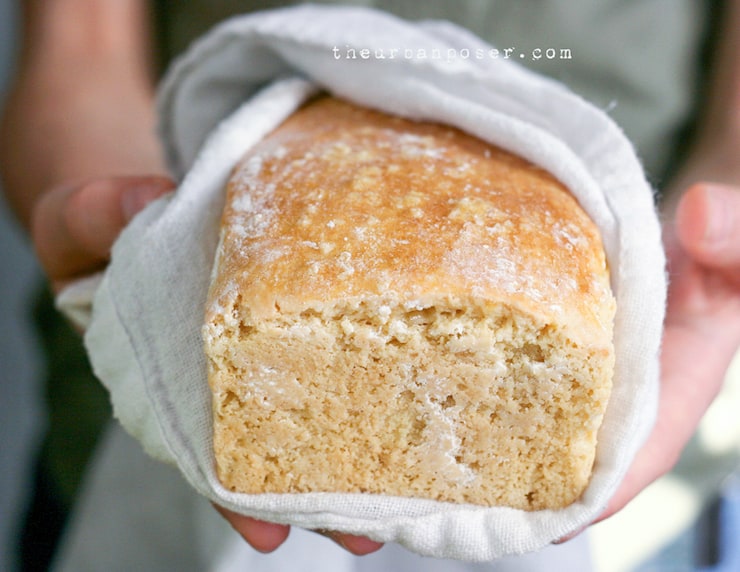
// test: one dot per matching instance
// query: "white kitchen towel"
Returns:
(239, 82)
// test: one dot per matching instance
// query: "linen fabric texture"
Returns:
(232, 87)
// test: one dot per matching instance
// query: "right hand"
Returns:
(81, 107)
(74, 226)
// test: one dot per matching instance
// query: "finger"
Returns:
(262, 536)
(652, 461)
(708, 224)
(75, 226)
(687, 390)
(357, 545)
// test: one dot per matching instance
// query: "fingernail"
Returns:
(719, 220)
(137, 197)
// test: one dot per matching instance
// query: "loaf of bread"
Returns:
(399, 308)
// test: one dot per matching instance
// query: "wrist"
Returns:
(69, 34)
(60, 125)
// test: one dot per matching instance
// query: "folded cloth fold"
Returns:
(233, 87)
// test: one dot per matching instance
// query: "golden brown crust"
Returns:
(345, 201)
(343, 214)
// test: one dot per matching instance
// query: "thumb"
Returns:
(708, 224)
(74, 226)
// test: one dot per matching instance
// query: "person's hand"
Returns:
(702, 327)
(74, 226)
(77, 113)
(266, 536)
(702, 239)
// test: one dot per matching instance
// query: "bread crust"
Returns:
(456, 290)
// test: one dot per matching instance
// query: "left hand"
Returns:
(702, 327)
(701, 336)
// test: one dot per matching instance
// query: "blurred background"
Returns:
(676, 525)
(21, 415)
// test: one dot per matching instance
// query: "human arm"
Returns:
(78, 151)
(702, 237)
(80, 106)
(79, 111)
